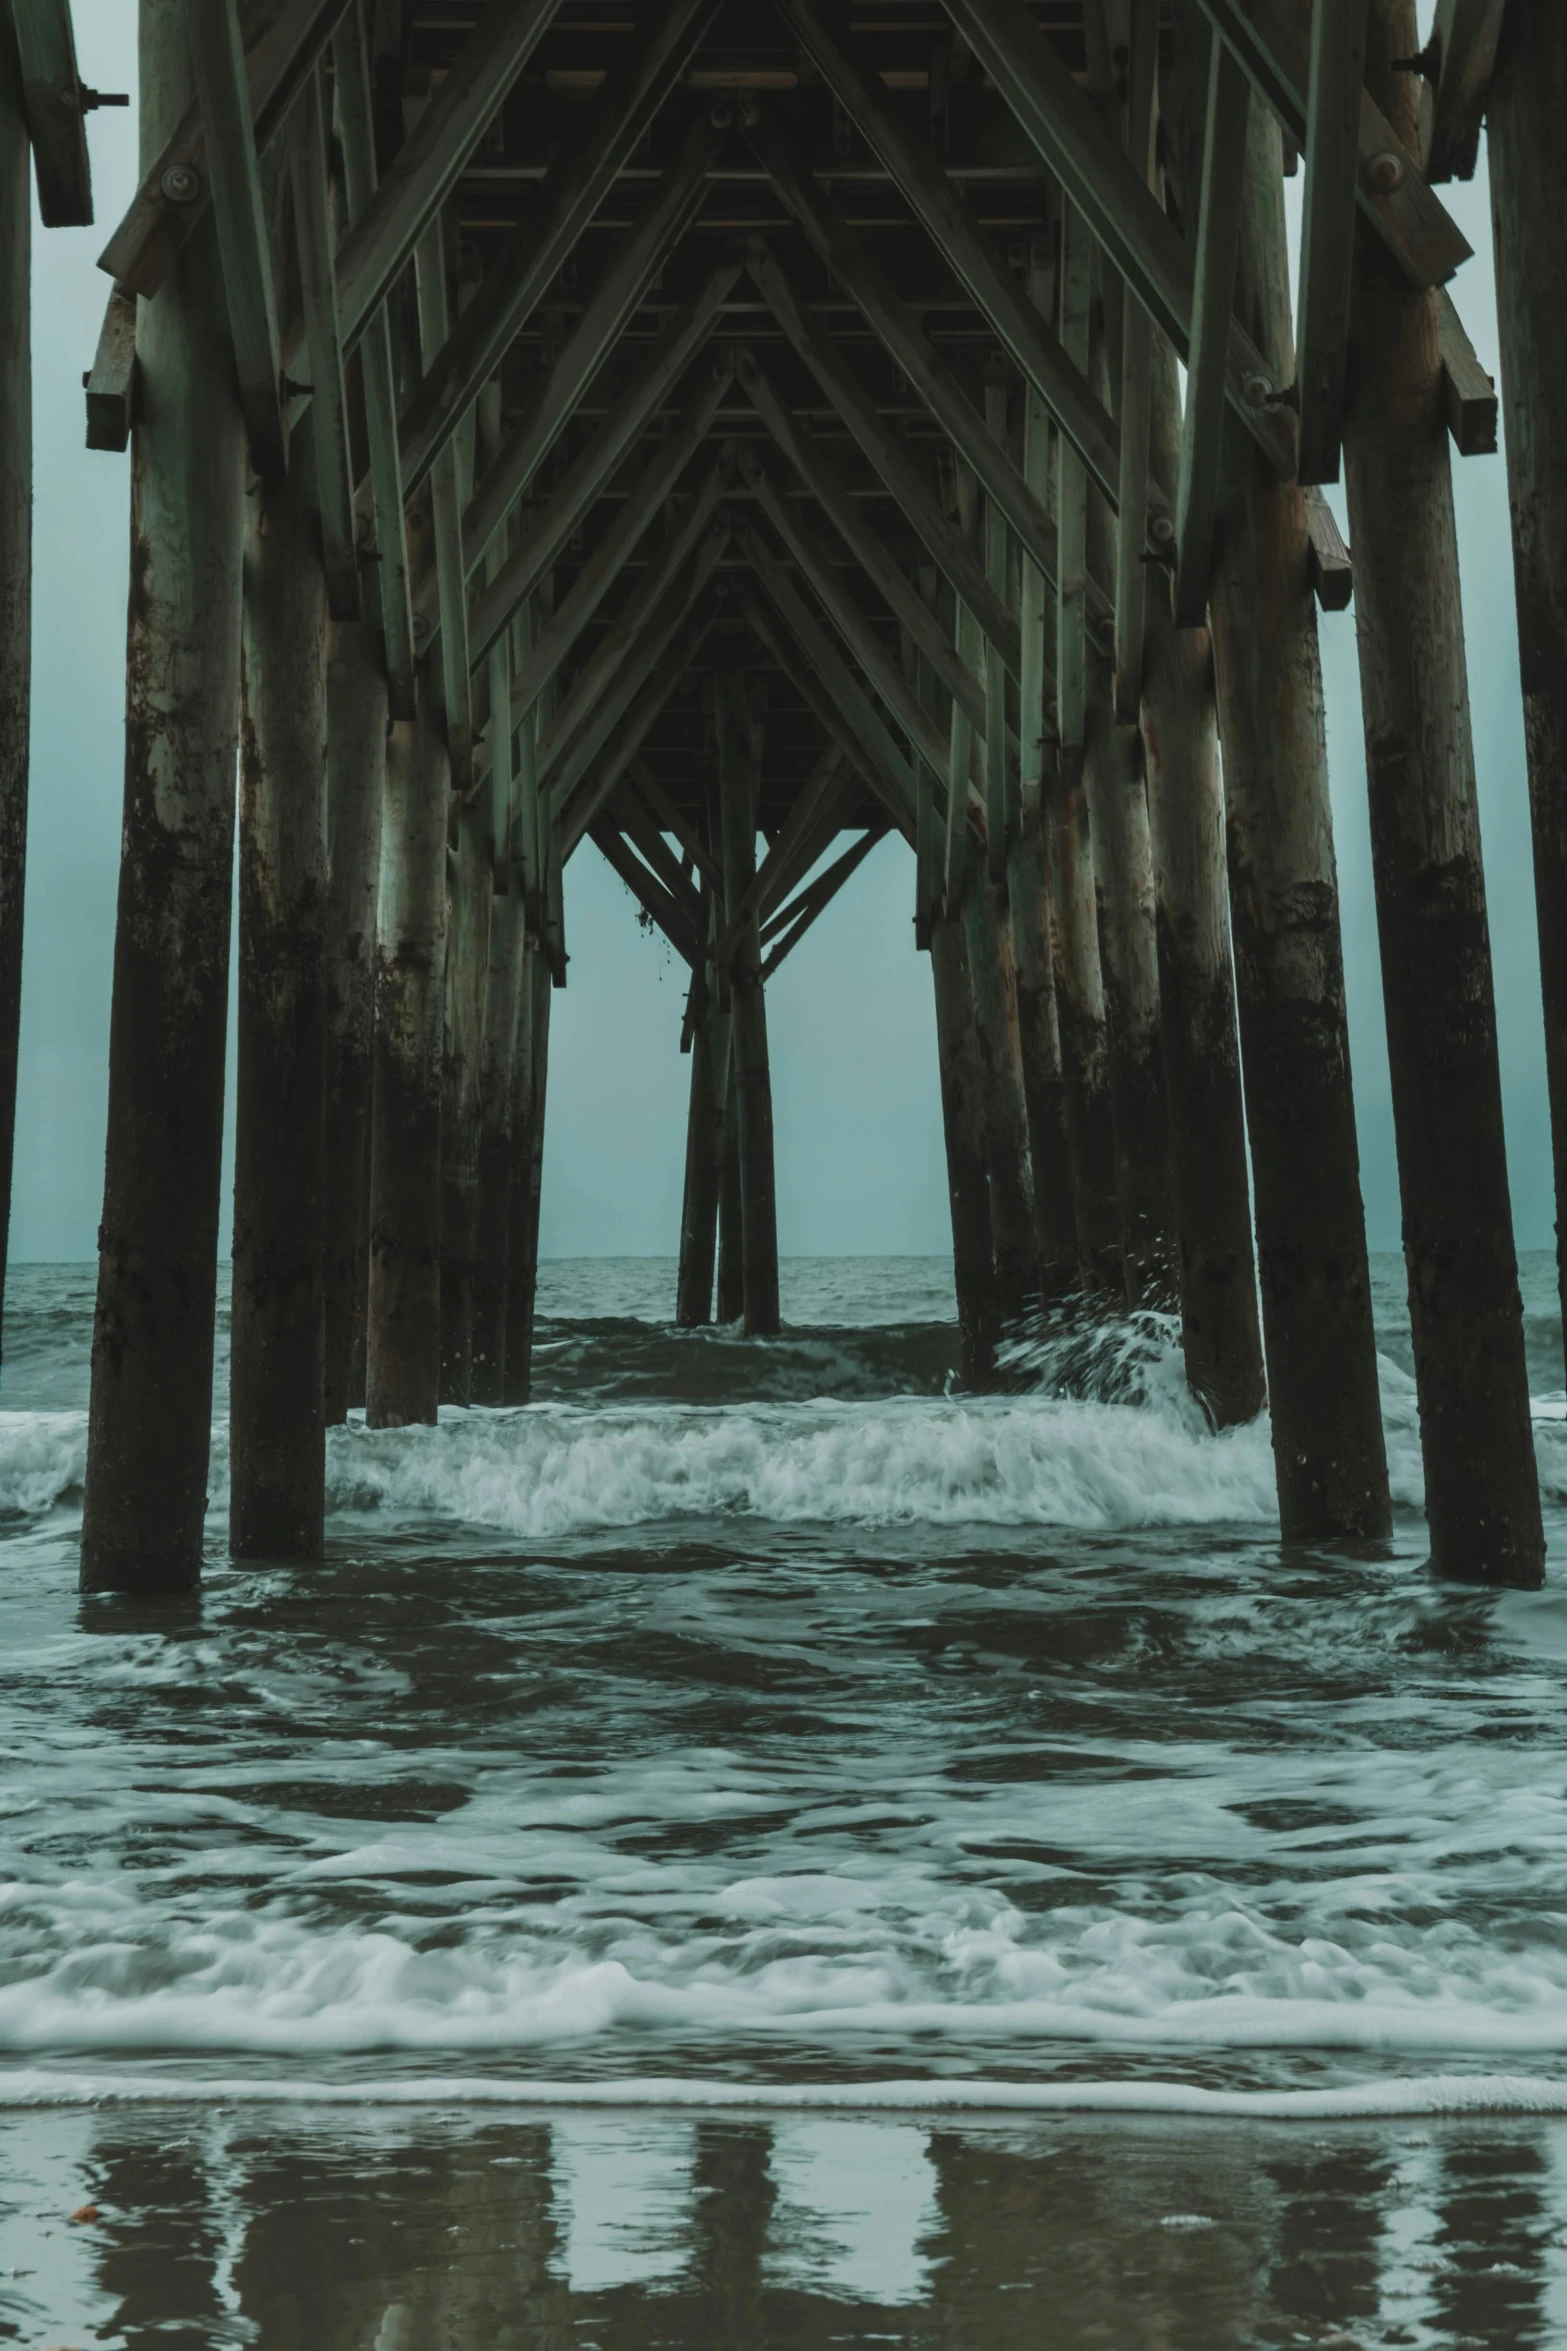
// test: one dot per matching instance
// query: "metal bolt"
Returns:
(1162, 531)
(181, 183)
(1257, 390)
(1384, 173)
(722, 116)
(750, 113)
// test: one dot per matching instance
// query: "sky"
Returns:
(857, 1116)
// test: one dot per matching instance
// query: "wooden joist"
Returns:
(1133, 518)
(790, 926)
(843, 721)
(649, 893)
(673, 820)
(56, 105)
(1338, 74)
(1470, 394)
(1218, 245)
(1272, 40)
(284, 41)
(218, 60)
(446, 507)
(806, 830)
(329, 394)
(1464, 38)
(1332, 575)
(1121, 210)
(111, 380)
(571, 816)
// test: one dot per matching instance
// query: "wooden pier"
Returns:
(720, 435)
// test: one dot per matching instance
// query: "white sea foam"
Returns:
(1425, 2094)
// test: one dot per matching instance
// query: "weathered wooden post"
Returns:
(731, 1209)
(470, 899)
(527, 1174)
(1221, 1338)
(968, 1168)
(1039, 1043)
(277, 1444)
(356, 783)
(504, 1011)
(1482, 1487)
(1328, 1447)
(704, 1140)
(16, 585)
(150, 1422)
(1525, 115)
(987, 934)
(738, 769)
(403, 1329)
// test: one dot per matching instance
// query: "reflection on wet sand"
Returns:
(349, 2232)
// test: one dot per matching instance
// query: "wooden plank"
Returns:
(1218, 247)
(212, 28)
(851, 70)
(796, 848)
(1036, 706)
(1332, 151)
(1134, 517)
(887, 455)
(1077, 286)
(650, 845)
(1470, 394)
(997, 795)
(856, 269)
(969, 645)
(854, 527)
(329, 392)
(356, 129)
(819, 897)
(56, 108)
(645, 498)
(673, 820)
(1332, 576)
(1464, 36)
(446, 503)
(648, 892)
(111, 381)
(1121, 210)
(517, 278)
(284, 41)
(551, 526)
(1272, 39)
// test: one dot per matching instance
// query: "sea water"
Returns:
(759, 1846)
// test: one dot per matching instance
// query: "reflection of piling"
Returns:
(16, 580)
(1482, 1489)
(356, 780)
(276, 1442)
(1215, 1263)
(150, 1422)
(1289, 965)
(403, 1324)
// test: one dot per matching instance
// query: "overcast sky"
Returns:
(857, 1116)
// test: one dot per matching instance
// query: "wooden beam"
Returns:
(645, 498)
(1332, 151)
(969, 646)
(1332, 575)
(1464, 36)
(212, 29)
(797, 918)
(796, 848)
(55, 104)
(284, 43)
(856, 269)
(594, 789)
(650, 845)
(518, 277)
(551, 526)
(840, 707)
(1141, 242)
(673, 820)
(995, 770)
(111, 381)
(446, 504)
(1133, 518)
(1470, 394)
(1077, 285)
(855, 528)
(329, 393)
(887, 455)
(1272, 40)
(647, 890)
(1218, 247)
(356, 129)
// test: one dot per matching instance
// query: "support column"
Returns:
(1039, 1042)
(968, 1172)
(1220, 1333)
(277, 1440)
(16, 585)
(987, 934)
(738, 774)
(704, 1142)
(403, 1325)
(1466, 1317)
(731, 1214)
(1080, 1019)
(1525, 113)
(1289, 965)
(506, 1008)
(356, 783)
(466, 990)
(150, 1423)
(527, 1179)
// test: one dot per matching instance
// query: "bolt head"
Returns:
(750, 113)
(1162, 531)
(1384, 173)
(181, 183)
(1258, 390)
(722, 115)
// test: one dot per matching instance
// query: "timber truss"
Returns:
(645, 341)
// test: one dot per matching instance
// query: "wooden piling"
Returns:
(1328, 1449)
(1466, 1317)
(738, 772)
(403, 1322)
(150, 1420)
(16, 574)
(1080, 1020)
(506, 1007)
(356, 782)
(968, 1167)
(531, 1081)
(1039, 1044)
(470, 898)
(277, 1445)
(731, 1215)
(1220, 1334)
(704, 1143)
(987, 933)
(1525, 114)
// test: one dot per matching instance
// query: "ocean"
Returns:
(761, 1848)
